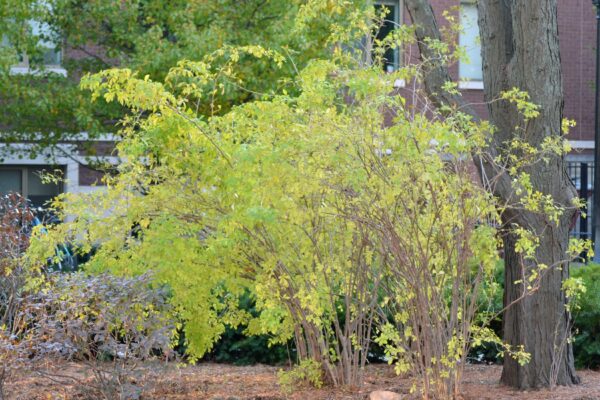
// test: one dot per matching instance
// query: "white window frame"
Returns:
(469, 84)
(25, 70)
(582, 144)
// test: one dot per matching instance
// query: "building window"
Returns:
(470, 70)
(28, 182)
(51, 54)
(580, 169)
(391, 57)
(48, 56)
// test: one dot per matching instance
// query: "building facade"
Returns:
(577, 30)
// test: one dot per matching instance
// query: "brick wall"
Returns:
(100, 148)
(90, 177)
(577, 30)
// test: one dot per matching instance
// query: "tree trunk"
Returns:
(520, 49)
(539, 321)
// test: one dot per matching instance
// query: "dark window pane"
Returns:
(35, 186)
(389, 24)
(48, 56)
(10, 181)
(52, 57)
(40, 193)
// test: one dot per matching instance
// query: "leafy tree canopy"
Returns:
(150, 37)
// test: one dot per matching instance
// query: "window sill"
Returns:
(50, 69)
(470, 85)
(399, 83)
(581, 144)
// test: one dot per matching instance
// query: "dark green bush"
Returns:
(238, 348)
(586, 320)
(490, 303)
(586, 344)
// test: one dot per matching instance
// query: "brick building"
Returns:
(577, 29)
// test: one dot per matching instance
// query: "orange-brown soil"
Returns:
(259, 382)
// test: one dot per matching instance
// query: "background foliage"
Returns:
(586, 317)
(148, 36)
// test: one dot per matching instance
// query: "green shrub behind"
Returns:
(237, 347)
(586, 319)
(586, 345)
(490, 303)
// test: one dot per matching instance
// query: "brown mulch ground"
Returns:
(226, 382)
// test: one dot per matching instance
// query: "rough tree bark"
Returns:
(519, 40)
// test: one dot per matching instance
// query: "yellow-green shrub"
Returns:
(322, 211)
